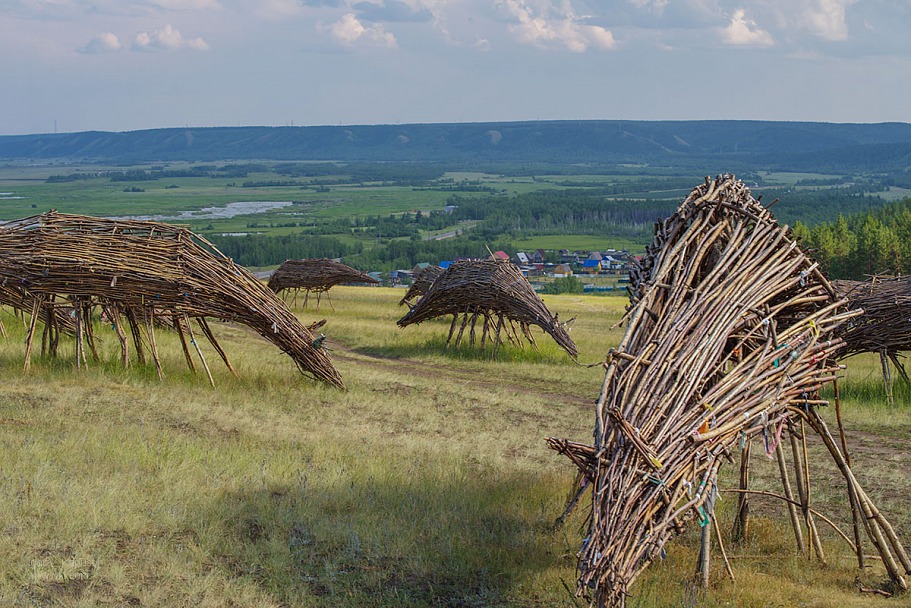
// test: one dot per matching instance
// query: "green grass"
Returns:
(104, 197)
(788, 178)
(677, 195)
(894, 193)
(273, 490)
(427, 483)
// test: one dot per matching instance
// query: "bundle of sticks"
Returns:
(423, 280)
(731, 332)
(495, 293)
(885, 326)
(315, 275)
(137, 272)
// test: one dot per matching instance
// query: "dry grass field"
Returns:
(427, 483)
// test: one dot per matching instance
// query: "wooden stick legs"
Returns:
(740, 528)
(205, 365)
(36, 308)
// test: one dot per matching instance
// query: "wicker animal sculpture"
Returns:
(494, 292)
(885, 326)
(141, 270)
(731, 332)
(423, 280)
(316, 275)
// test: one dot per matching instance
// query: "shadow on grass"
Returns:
(417, 540)
(437, 347)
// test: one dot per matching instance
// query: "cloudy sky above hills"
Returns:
(116, 65)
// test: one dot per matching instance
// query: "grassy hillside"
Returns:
(736, 144)
(427, 483)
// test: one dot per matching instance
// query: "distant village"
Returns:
(540, 265)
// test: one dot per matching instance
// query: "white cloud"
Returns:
(599, 37)
(550, 26)
(102, 43)
(349, 31)
(167, 39)
(745, 32)
(826, 18)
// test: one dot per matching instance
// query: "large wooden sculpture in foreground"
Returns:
(140, 271)
(731, 333)
(493, 292)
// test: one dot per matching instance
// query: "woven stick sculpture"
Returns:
(315, 275)
(885, 326)
(423, 280)
(494, 293)
(137, 272)
(22, 302)
(730, 334)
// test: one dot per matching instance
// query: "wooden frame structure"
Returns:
(731, 332)
(139, 273)
(885, 326)
(494, 293)
(423, 280)
(316, 275)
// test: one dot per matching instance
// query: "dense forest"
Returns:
(561, 212)
(856, 246)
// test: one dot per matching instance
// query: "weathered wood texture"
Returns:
(145, 270)
(315, 274)
(885, 325)
(493, 291)
(421, 284)
(730, 334)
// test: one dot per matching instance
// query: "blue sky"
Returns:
(79, 65)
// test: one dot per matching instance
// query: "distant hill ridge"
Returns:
(798, 145)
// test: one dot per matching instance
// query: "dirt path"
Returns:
(452, 376)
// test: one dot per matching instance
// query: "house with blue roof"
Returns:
(591, 266)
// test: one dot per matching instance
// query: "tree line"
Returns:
(876, 241)
(560, 212)
(262, 250)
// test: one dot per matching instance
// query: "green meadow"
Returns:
(426, 483)
(343, 202)
(26, 190)
(173, 195)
